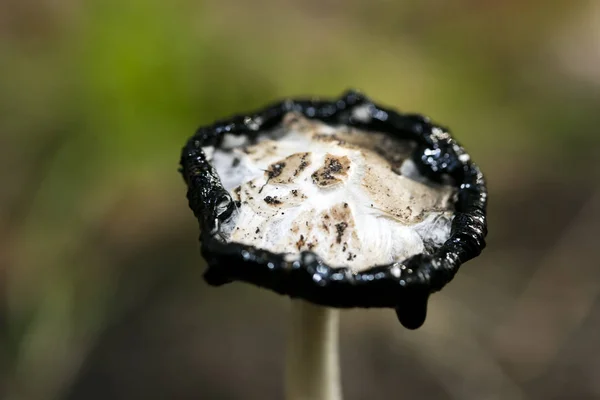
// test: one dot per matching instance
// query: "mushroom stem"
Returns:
(313, 370)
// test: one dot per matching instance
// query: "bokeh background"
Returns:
(101, 290)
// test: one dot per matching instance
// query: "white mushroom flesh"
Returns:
(352, 197)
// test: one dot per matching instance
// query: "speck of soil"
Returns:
(334, 165)
(340, 228)
(275, 169)
(272, 200)
(300, 242)
(303, 164)
(327, 173)
(331, 171)
(236, 162)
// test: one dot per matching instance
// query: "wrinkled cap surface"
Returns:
(342, 203)
(352, 197)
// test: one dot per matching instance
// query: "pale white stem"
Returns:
(312, 367)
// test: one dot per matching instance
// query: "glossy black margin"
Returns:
(437, 156)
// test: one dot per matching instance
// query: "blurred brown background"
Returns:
(101, 288)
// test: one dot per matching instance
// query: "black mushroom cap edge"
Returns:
(437, 156)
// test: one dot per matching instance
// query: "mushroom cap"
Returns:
(335, 147)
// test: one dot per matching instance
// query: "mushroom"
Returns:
(337, 204)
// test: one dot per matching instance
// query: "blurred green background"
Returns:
(101, 290)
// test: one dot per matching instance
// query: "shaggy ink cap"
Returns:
(343, 203)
